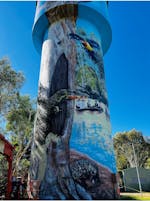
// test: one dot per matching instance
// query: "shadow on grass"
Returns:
(127, 197)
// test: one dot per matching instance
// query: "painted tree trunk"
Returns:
(72, 154)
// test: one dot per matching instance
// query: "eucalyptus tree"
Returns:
(10, 84)
(123, 144)
(19, 124)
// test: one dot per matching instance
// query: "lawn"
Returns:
(135, 196)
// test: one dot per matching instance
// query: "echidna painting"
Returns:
(72, 154)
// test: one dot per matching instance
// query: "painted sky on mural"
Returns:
(127, 63)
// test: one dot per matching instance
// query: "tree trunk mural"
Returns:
(71, 87)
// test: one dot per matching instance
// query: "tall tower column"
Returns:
(72, 154)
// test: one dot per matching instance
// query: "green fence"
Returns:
(130, 180)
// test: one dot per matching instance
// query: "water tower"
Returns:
(72, 155)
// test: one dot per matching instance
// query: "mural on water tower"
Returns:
(72, 154)
(91, 127)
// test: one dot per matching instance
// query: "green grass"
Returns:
(126, 197)
(133, 196)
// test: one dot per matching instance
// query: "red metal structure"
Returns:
(7, 150)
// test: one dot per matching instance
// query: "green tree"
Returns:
(123, 144)
(10, 83)
(122, 162)
(20, 120)
(3, 175)
(16, 118)
(147, 163)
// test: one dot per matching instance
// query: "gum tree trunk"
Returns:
(50, 176)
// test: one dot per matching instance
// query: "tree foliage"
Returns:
(17, 118)
(147, 163)
(17, 111)
(3, 175)
(20, 120)
(10, 83)
(124, 143)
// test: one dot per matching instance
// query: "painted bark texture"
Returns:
(50, 175)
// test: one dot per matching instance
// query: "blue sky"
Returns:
(127, 63)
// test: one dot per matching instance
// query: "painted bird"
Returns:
(87, 44)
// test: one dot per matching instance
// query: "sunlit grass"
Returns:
(135, 196)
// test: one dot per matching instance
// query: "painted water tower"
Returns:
(72, 154)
